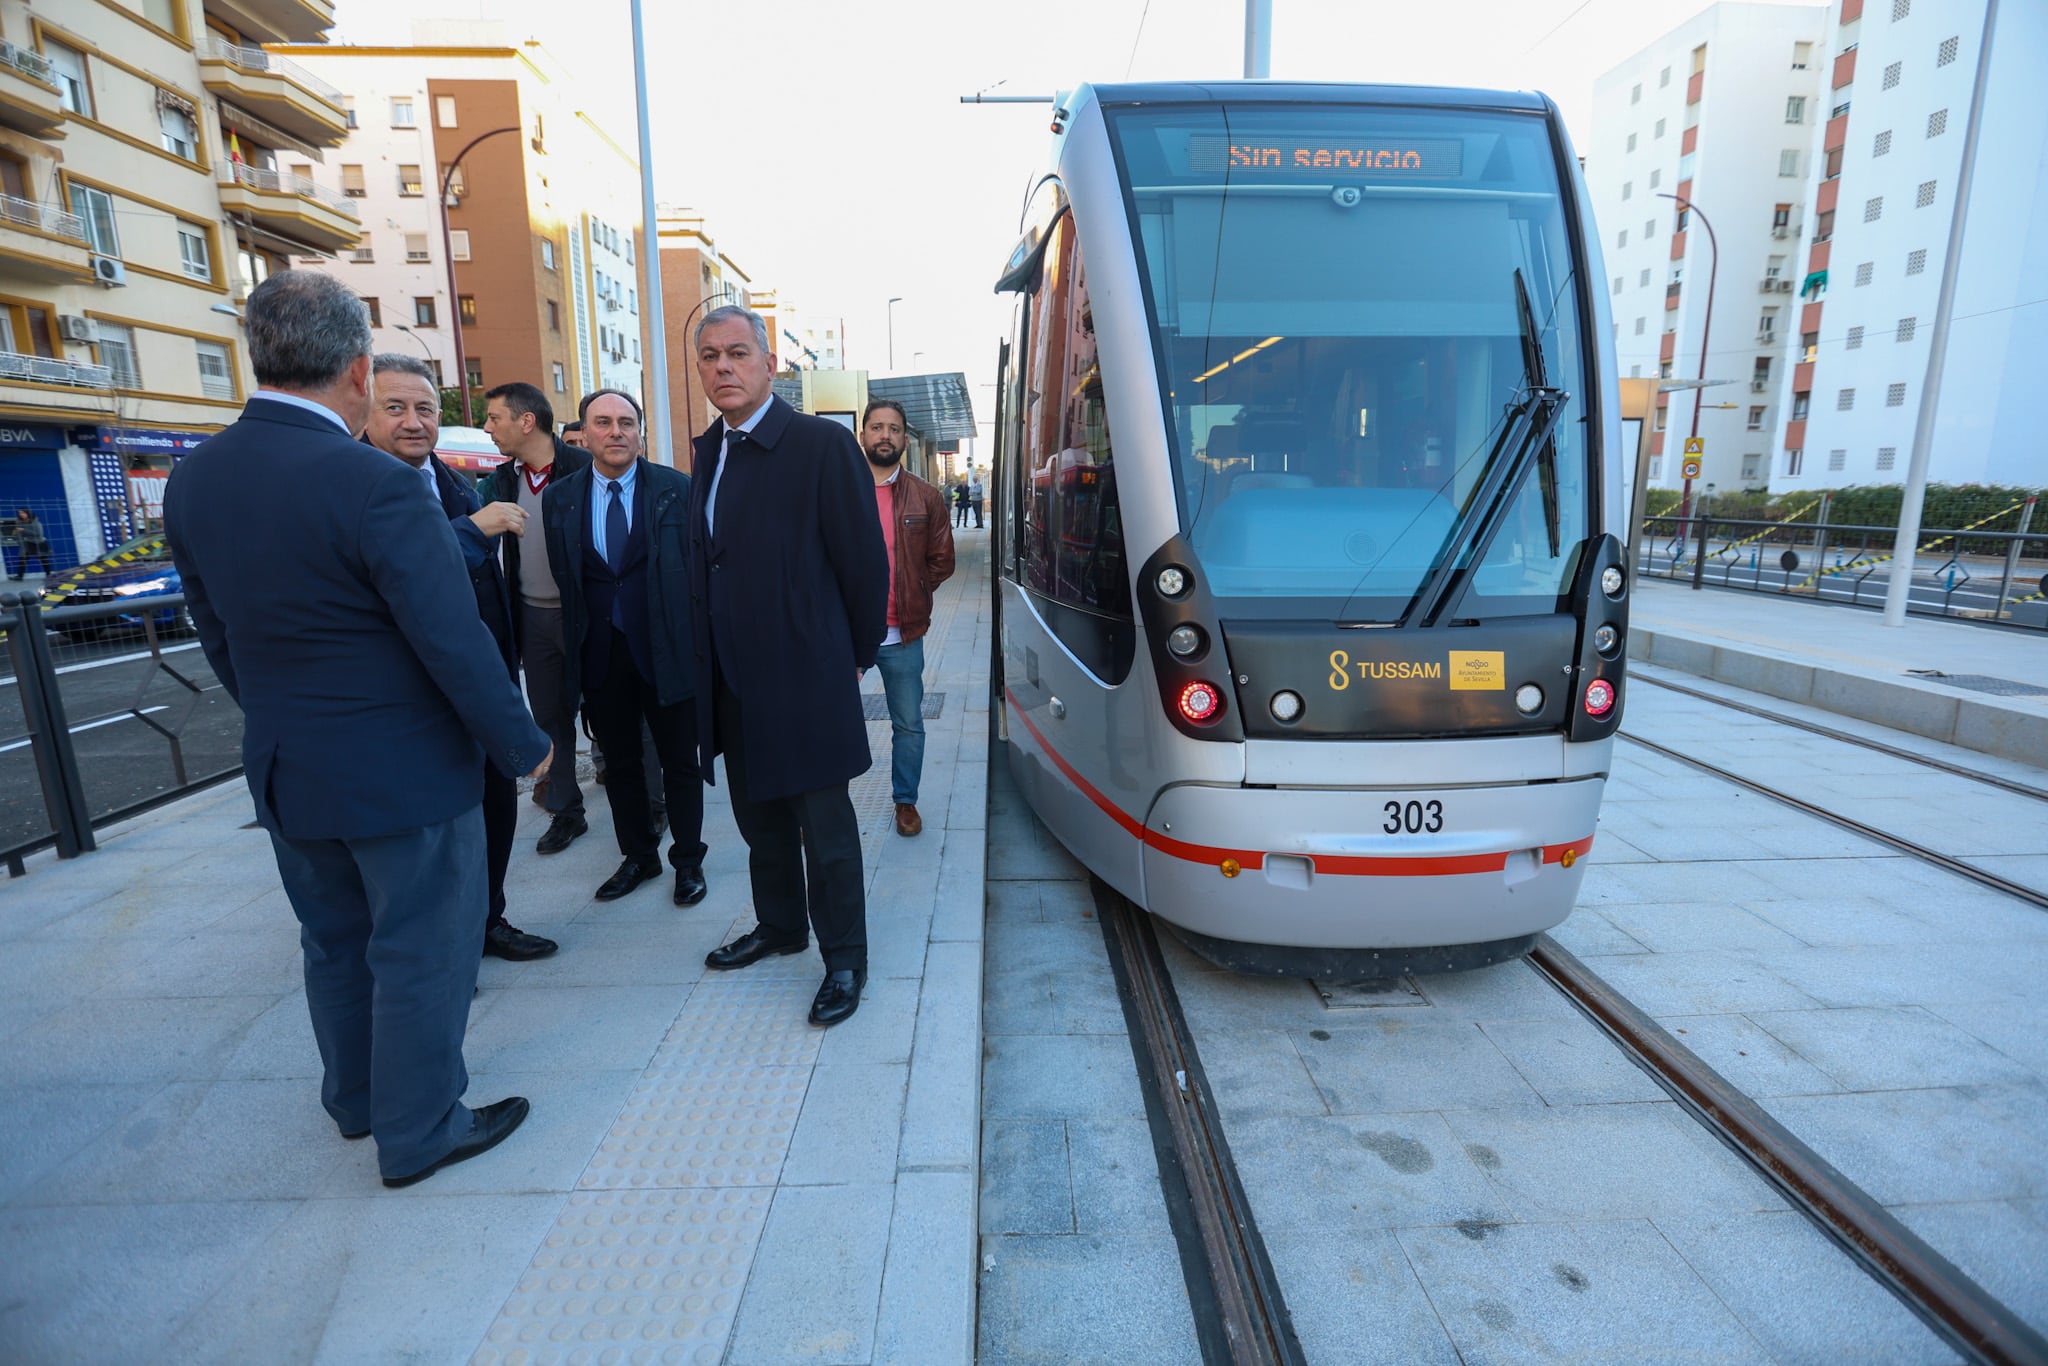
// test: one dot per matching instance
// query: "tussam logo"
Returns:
(1375, 670)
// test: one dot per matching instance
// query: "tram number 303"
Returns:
(1414, 818)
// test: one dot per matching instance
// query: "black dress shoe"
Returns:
(514, 945)
(839, 997)
(752, 947)
(360, 1133)
(631, 874)
(690, 888)
(489, 1127)
(563, 831)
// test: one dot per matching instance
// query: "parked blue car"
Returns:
(132, 573)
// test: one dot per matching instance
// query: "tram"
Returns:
(1311, 601)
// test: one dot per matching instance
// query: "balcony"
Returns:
(1845, 69)
(1802, 378)
(1829, 194)
(276, 21)
(1795, 434)
(289, 206)
(29, 102)
(1837, 132)
(42, 242)
(20, 369)
(273, 88)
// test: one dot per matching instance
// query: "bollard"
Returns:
(1699, 561)
(2012, 560)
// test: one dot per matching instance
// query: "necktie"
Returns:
(615, 541)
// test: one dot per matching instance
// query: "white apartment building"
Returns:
(1721, 113)
(1880, 209)
(613, 309)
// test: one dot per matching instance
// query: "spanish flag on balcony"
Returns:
(234, 148)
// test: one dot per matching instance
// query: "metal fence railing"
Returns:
(26, 213)
(1968, 573)
(231, 172)
(105, 712)
(256, 59)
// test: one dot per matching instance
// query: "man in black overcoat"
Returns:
(790, 589)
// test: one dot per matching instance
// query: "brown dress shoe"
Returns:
(908, 822)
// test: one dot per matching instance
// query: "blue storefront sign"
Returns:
(147, 441)
(34, 436)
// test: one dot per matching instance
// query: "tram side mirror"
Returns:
(1788, 561)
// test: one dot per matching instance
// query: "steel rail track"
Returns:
(1992, 780)
(1956, 1308)
(1241, 1317)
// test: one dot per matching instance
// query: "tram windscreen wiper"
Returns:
(1524, 443)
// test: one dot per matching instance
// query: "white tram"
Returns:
(1312, 598)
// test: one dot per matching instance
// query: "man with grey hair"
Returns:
(332, 602)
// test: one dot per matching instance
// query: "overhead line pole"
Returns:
(657, 350)
(1258, 39)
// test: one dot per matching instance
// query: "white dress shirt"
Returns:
(711, 498)
(601, 502)
(279, 396)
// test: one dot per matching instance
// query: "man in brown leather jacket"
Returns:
(920, 542)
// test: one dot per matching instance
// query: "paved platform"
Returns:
(705, 1178)
(1846, 660)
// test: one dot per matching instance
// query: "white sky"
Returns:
(825, 141)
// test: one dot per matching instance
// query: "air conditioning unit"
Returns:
(76, 329)
(1758, 386)
(1766, 338)
(1782, 231)
(109, 272)
(1784, 286)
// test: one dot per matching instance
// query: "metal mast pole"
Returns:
(1258, 39)
(1900, 584)
(650, 260)
(1699, 395)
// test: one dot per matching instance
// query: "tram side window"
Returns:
(1073, 547)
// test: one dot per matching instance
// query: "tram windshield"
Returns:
(1334, 295)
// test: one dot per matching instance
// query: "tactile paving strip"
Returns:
(630, 1277)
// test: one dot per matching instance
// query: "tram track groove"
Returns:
(1955, 1307)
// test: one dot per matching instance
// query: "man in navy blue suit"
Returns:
(332, 602)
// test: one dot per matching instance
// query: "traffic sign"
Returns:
(1695, 447)
(1691, 467)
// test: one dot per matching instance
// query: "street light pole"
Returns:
(892, 330)
(1258, 39)
(1699, 395)
(401, 327)
(655, 376)
(448, 255)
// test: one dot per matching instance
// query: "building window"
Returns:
(1926, 195)
(1621, 238)
(1756, 419)
(561, 379)
(96, 207)
(554, 316)
(74, 89)
(1937, 123)
(193, 252)
(1767, 325)
(1873, 208)
(1656, 179)
(1891, 75)
(1887, 457)
(1895, 396)
(352, 182)
(1855, 339)
(1699, 59)
(1900, 9)
(117, 353)
(376, 307)
(628, 244)
(1664, 78)
(1845, 400)
(1628, 189)
(1802, 56)
(473, 371)
(1635, 94)
(177, 128)
(416, 247)
(1838, 458)
(1916, 261)
(444, 111)
(1657, 129)
(1833, 165)
(1907, 326)
(1631, 142)
(1644, 279)
(1801, 402)
(1617, 285)
(401, 112)
(547, 253)
(423, 313)
(1760, 373)
(1793, 459)
(1946, 53)
(1639, 327)
(348, 108)
(465, 308)
(1795, 109)
(409, 182)
(1788, 162)
(1751, 463)
(362, 250)
(1881, 144)
(633, 302)
(216, 371)
(1656, 467)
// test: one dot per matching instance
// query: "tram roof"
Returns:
(1314, 92)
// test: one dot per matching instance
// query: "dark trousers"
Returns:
(392, 940)
(803, 854)
(501, 821)
(540, 652)
(618, 708)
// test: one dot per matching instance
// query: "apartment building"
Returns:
(538, 216)
(1880, 210)
(1698, 172)
(697, 276)
(149, 176)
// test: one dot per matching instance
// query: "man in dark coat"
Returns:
(405, 421)
(332, 602)
(617, 535)
(790, 582)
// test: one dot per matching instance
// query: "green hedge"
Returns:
(1948, 507)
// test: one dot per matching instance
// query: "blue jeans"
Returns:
(902, 669)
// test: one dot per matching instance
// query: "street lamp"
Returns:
(401, 327)
(1706, 329)
(448, 253)
(892, 330)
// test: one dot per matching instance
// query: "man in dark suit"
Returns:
(331, 600)
(405, 421)
(617, 538)
(790, 583)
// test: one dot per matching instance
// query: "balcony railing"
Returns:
(26, 213)
(43, 370)
(282, 182)
(256, 59)
(28, 62)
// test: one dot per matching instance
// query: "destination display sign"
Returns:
(1404, 157)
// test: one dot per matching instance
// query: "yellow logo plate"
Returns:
(1478, 670)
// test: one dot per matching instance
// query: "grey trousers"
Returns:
(540, 655)
(393, 930)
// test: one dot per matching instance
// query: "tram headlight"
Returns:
(1172, 581)
(1605, 640)
(1611, 580)
(1201, 702)
(1286, 706)
(1529, 699)
(1184, 641)
(1599, 697)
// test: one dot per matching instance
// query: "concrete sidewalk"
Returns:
(705, 1178)
(1846, 660)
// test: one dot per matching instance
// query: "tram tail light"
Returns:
(1599, 697)
(1201, 702)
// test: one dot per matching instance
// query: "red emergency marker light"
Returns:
(1201, 703)
(1599, 697)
